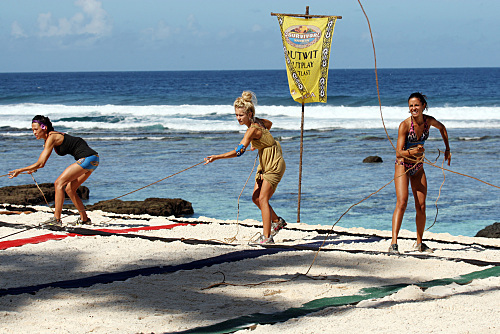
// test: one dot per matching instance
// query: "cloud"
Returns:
(17, 31)
(161, 32)
(194, 27)
(92, 21)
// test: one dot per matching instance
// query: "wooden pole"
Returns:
(299, 191)
(307, 16)
(300, 162)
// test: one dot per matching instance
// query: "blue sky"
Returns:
(135, 35)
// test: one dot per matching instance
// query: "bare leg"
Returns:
(401, 182)
(261, 196)
(71, 189)
(72, 172)
(419, 189)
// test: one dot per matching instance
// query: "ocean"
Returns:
(149, 125)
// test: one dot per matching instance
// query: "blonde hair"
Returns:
(247, 101)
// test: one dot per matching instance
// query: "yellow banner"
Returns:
(306, 44)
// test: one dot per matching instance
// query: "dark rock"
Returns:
(30, 195)
(372, 159)
(151, 206)
(490, 231)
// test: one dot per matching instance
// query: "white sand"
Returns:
(184, 299)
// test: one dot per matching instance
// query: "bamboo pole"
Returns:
(307, 16)
(299, 191)
(300, 162)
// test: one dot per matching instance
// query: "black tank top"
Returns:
(75, 146)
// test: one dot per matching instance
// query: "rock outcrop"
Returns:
(151, 206)
(490, 231)
(31, 195)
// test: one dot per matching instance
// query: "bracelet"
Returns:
(448, 150)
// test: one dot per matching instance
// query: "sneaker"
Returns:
(262, 240)
(421, 247)
(393, 249)
(80, 222)
(277, 226)
(53, 224)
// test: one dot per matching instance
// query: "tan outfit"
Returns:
(271, 163)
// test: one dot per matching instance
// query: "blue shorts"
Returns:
(89, 163)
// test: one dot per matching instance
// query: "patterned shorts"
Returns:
(89, 163)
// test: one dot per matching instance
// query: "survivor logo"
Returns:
(302, 36)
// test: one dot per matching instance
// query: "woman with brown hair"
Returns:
(412, 134)
(72, 177)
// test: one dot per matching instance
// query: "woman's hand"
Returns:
(416, 151)
(447, 156)
(209, 159)
(14, 173)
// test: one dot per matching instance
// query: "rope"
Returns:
(439, 195)
(26, 229)
(232, 239)
(472, 177)
(34, 226)
(345, 212)
(36, 183)
(45, 199)
(18, 174)
(133, 191)
(421, 159)
(376, 74)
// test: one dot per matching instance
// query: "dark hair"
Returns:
(42, 120)
(419, 96)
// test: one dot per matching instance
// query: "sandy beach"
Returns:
(144, 274)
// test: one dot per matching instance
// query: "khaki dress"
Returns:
(271, 163)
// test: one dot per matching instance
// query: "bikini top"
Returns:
(411, 138)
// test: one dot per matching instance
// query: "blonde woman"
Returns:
(271, 163)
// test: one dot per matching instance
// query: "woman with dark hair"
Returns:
(271, 163)
(412, 134)
(73, 176)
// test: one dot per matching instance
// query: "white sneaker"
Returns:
(262, 240)
(277, 226)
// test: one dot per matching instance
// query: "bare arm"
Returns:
(411, 153)
(444, 134)
(249, 135)
(40, 163)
